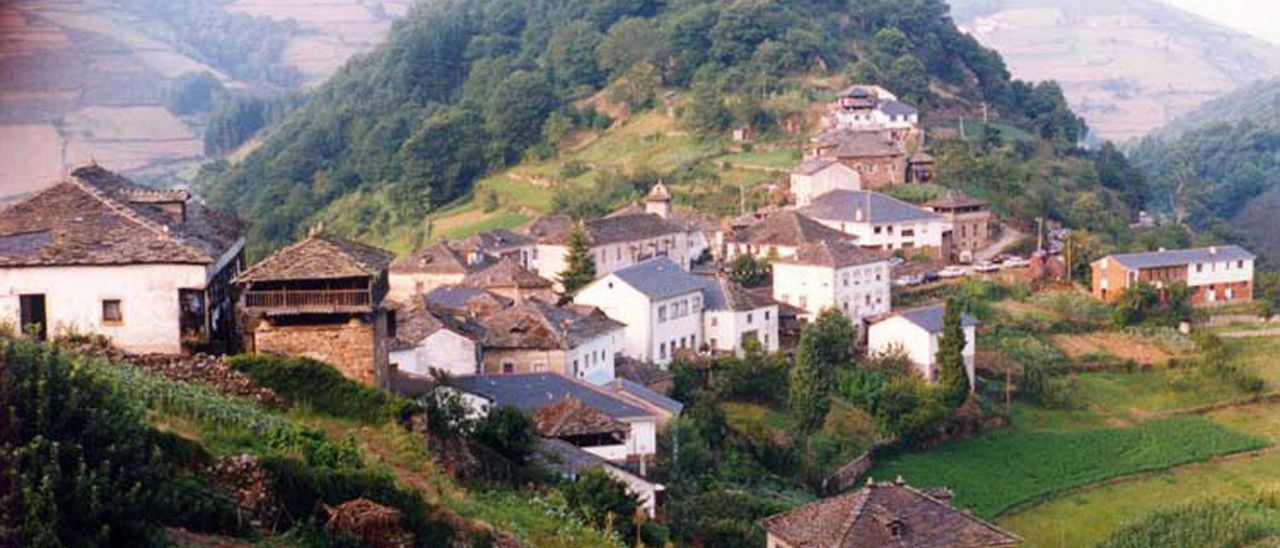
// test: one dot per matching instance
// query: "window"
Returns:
(391, 324)
(715, 321)
(662, 313)
(749, 318)
(683, 341)
(766, 315)
(508, 368)
(1239, 264)
(693, 342)
(112, 313)
(877, 230)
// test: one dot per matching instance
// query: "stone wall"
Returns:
(355, 348)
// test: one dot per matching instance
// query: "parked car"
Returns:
(986, 267)
(953, 271)
(896, 261)
(910, 280)
(929, 276)
(1015, 262)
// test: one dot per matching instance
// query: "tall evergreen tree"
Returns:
(952, 376)
(580, 266)
(824, 346)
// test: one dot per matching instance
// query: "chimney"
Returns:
(1213, 250)
(315, 230)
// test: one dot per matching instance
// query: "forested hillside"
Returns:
(464, 88)
(1220, 167)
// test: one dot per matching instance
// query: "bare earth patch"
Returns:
(1122, 345)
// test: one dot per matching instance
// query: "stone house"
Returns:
(839, 275)
(465, 302)
(883, 514)
(150, 269)
(509, 279)
(531, 392)
(882, 222)
(878, 159)
(536, 337)
(820, 175)
(322, 298)
(970, 220)
(1216, 275)
(436, 265)
(916, 332)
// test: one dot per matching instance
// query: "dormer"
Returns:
(172, 203)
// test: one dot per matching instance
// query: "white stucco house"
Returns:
(820, 175)
(150, 269)
(916, 332)
(570, 462)
(880, 221)
(732, 315)
(838, 275)
(660, 303)
(535, 337)
(426, 341)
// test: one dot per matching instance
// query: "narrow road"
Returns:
(1008, 237)
(1246, 333)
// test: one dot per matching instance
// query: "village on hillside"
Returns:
(608, 332)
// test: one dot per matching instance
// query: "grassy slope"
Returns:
(649, 141)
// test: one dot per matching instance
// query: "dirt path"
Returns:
(1008, 237)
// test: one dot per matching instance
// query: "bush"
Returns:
(1209, 524)
(321, 388)
(509, 431)
(603, 501)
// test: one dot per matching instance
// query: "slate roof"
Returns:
(415, 322)
(897, 108)
(929, 317)
(566, 458)
(721, 293)
(867, 518)
(1179, 257)
(814, 165)
(532, 391)
(554, 229)
(462, 300)
(538, 325)
(788, 228)
(834, 255)
(96, 217)
(857, 144)
(506, 273)
(439, 258)
(319, 257)
(495, 242)
(844, 205)
(571, 417)
(643, 392)
(659, 278)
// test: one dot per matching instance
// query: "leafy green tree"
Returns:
(571, 56)
(909, 77)
(509, 431)
(706, 113)
(602, 500)
(580, 265)
(630, 41)
(1115, 172)
(515, 113)
(953, 379)
(890, 43)
(748, 271)
(825, 346)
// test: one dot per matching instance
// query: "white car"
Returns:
(908, 281)
(1015, 262)
(953, 271)
(986, 267)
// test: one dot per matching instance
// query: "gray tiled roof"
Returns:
(532, 391)
(721, 293)
(1178, 257)
(897, 108)
(788, 228)
(643, 392)
(460, 299)
(814, 165)
(930, 317)
(534, 324)
(843, 206)
(659, 278)
(628, 227)
(834, 254)
(96, 217)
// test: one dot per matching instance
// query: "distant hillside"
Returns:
(1222, 163)
(1127, 66)
(462, 89)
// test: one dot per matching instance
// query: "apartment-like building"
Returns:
(838, 275)
(1216, 275)
(882, 222)
(971, 223)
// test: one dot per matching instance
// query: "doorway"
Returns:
(33, 317)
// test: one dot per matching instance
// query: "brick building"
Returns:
(1216, 275)
(970, 220)
(322, 298)
(878, 160)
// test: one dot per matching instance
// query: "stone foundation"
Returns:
(355, 348)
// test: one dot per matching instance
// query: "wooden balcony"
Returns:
(309, 301)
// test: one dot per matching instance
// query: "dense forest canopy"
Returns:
(464, 87)
(1220, 166)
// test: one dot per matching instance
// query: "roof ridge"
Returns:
(132, 215)
(967, 515)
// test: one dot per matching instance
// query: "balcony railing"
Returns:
(309, 300)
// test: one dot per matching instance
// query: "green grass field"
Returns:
(994, 473)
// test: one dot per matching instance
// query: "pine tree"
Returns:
(580, 266)
(952, 377)
(824, 346)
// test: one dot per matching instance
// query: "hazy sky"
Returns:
(1258, 17)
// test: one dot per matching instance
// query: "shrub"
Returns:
(602, 501)
(1210, 524)
(509, 431)
(321, 388)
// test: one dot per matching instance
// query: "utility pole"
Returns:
(962, 126)
(985, 114)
